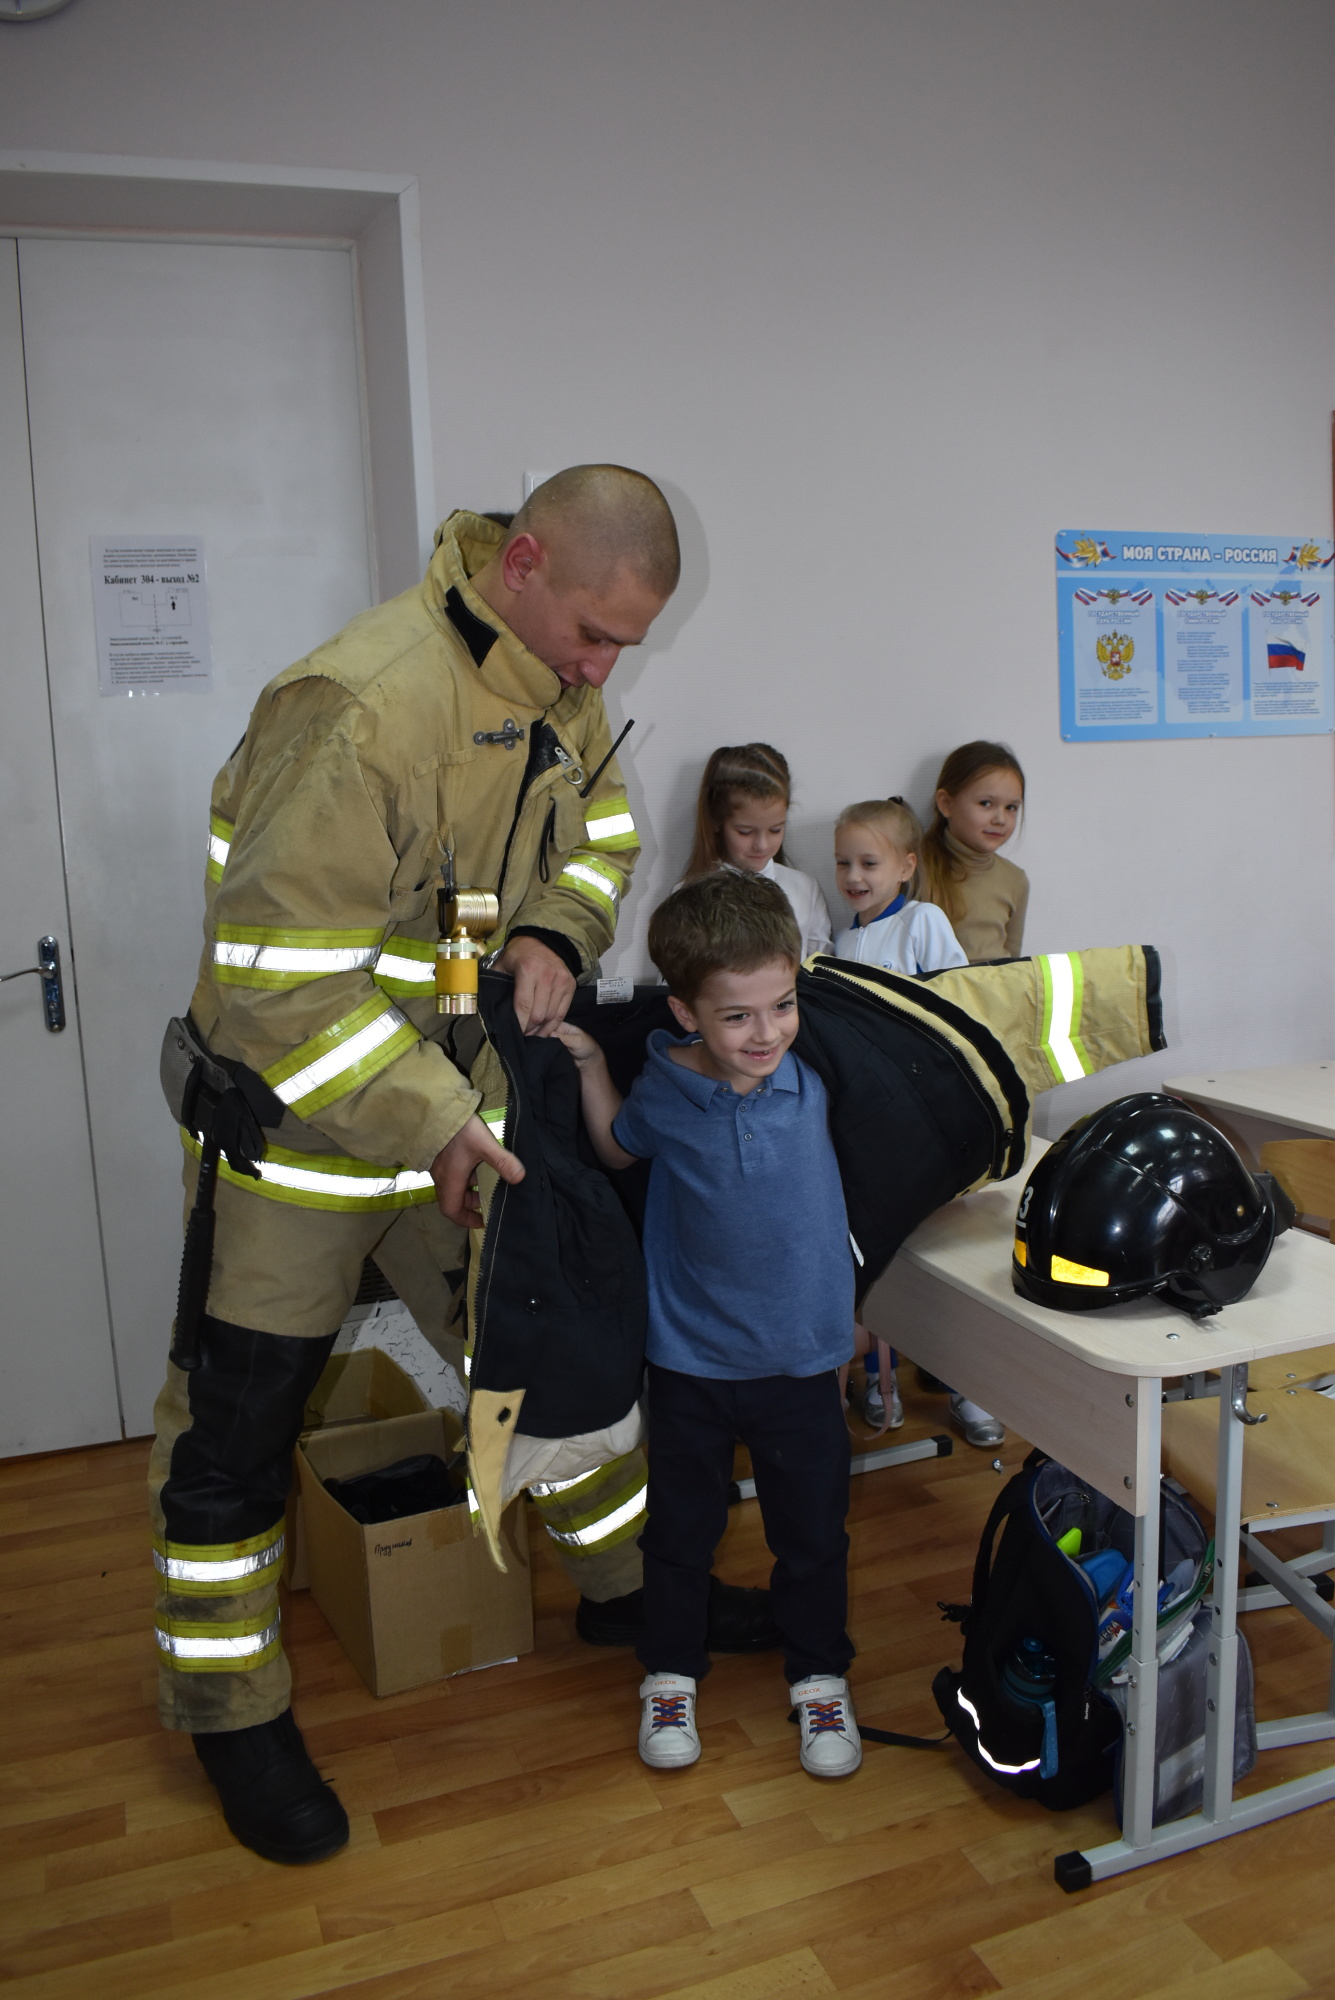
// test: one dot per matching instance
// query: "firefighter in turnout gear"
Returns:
(458, 727)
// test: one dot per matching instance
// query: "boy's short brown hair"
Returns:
(726, 922)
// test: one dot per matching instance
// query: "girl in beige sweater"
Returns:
(979, 799)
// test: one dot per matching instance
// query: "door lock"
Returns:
(47, 970)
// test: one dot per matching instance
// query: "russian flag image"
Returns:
(1283, 653)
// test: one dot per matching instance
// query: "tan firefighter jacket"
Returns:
(425, 724)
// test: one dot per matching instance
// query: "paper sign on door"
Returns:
(150, 604)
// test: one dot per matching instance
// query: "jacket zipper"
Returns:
(524, 783)
(548, 830)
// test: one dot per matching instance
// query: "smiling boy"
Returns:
(750, 1306)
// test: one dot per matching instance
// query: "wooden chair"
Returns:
(1288, 1481)
(1305, 1169)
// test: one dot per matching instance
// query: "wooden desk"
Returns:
(1086, 1388)
(1294, 1097)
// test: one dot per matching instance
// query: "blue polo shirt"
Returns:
(746, 1235)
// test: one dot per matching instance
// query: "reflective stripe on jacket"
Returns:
(424, 725)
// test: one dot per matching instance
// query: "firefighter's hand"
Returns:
(454, 1170)
(544, 987)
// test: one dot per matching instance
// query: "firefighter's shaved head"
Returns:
(593, 520)
(588, 563)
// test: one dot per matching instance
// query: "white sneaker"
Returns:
(980, 1427)
(831, 1746)
(874, 1405)
(668, 1739)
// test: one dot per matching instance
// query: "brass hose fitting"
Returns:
(467, 916)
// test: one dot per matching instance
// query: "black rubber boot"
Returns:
(617, 1621)
(740, 1620)
(273, 1798)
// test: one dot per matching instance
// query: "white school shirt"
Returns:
(807, 905)
(908, 938)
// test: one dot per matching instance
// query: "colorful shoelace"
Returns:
(670, 1711)
(826, 1715)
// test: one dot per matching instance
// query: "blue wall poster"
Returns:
(1165, 635)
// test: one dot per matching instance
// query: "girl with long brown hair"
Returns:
(978, 803)
(741, 815)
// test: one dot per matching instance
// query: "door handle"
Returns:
(47, 970)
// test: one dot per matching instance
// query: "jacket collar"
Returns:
(463, 544)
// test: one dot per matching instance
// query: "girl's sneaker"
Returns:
(980, 1427)
(877, 1413)
(831, 1746)
(668, 1739)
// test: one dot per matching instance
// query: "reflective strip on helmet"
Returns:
(237, 1647)
(1063, 998)
(1065, 1272)
(608, 824)
(1021, 1251)
(1010, 1770)
(244, 955)
(603, 1530)
(592, 879)
(220, 845)
(342, 1057)
(320, 1180)
(218, 1569)
(495, 1122)
(406, 967)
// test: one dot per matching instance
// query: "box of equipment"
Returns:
(417, 1598)
(366, 1385)
(358, 1388)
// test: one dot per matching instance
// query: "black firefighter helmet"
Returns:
(1144, 1196)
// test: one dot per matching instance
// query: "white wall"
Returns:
(884, 291)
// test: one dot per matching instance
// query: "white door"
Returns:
(211, 390)
(57, 1378)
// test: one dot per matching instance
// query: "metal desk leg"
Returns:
(1075, 1870)
(1138, 1764)
(1221, 1677)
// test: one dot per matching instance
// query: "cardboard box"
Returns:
(358, 1388)
(418, 1599)
(365, 1386)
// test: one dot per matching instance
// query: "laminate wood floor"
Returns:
(506, 1839)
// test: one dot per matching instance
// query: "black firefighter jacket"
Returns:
(930, 1084)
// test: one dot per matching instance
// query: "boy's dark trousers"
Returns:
(794, 1429)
